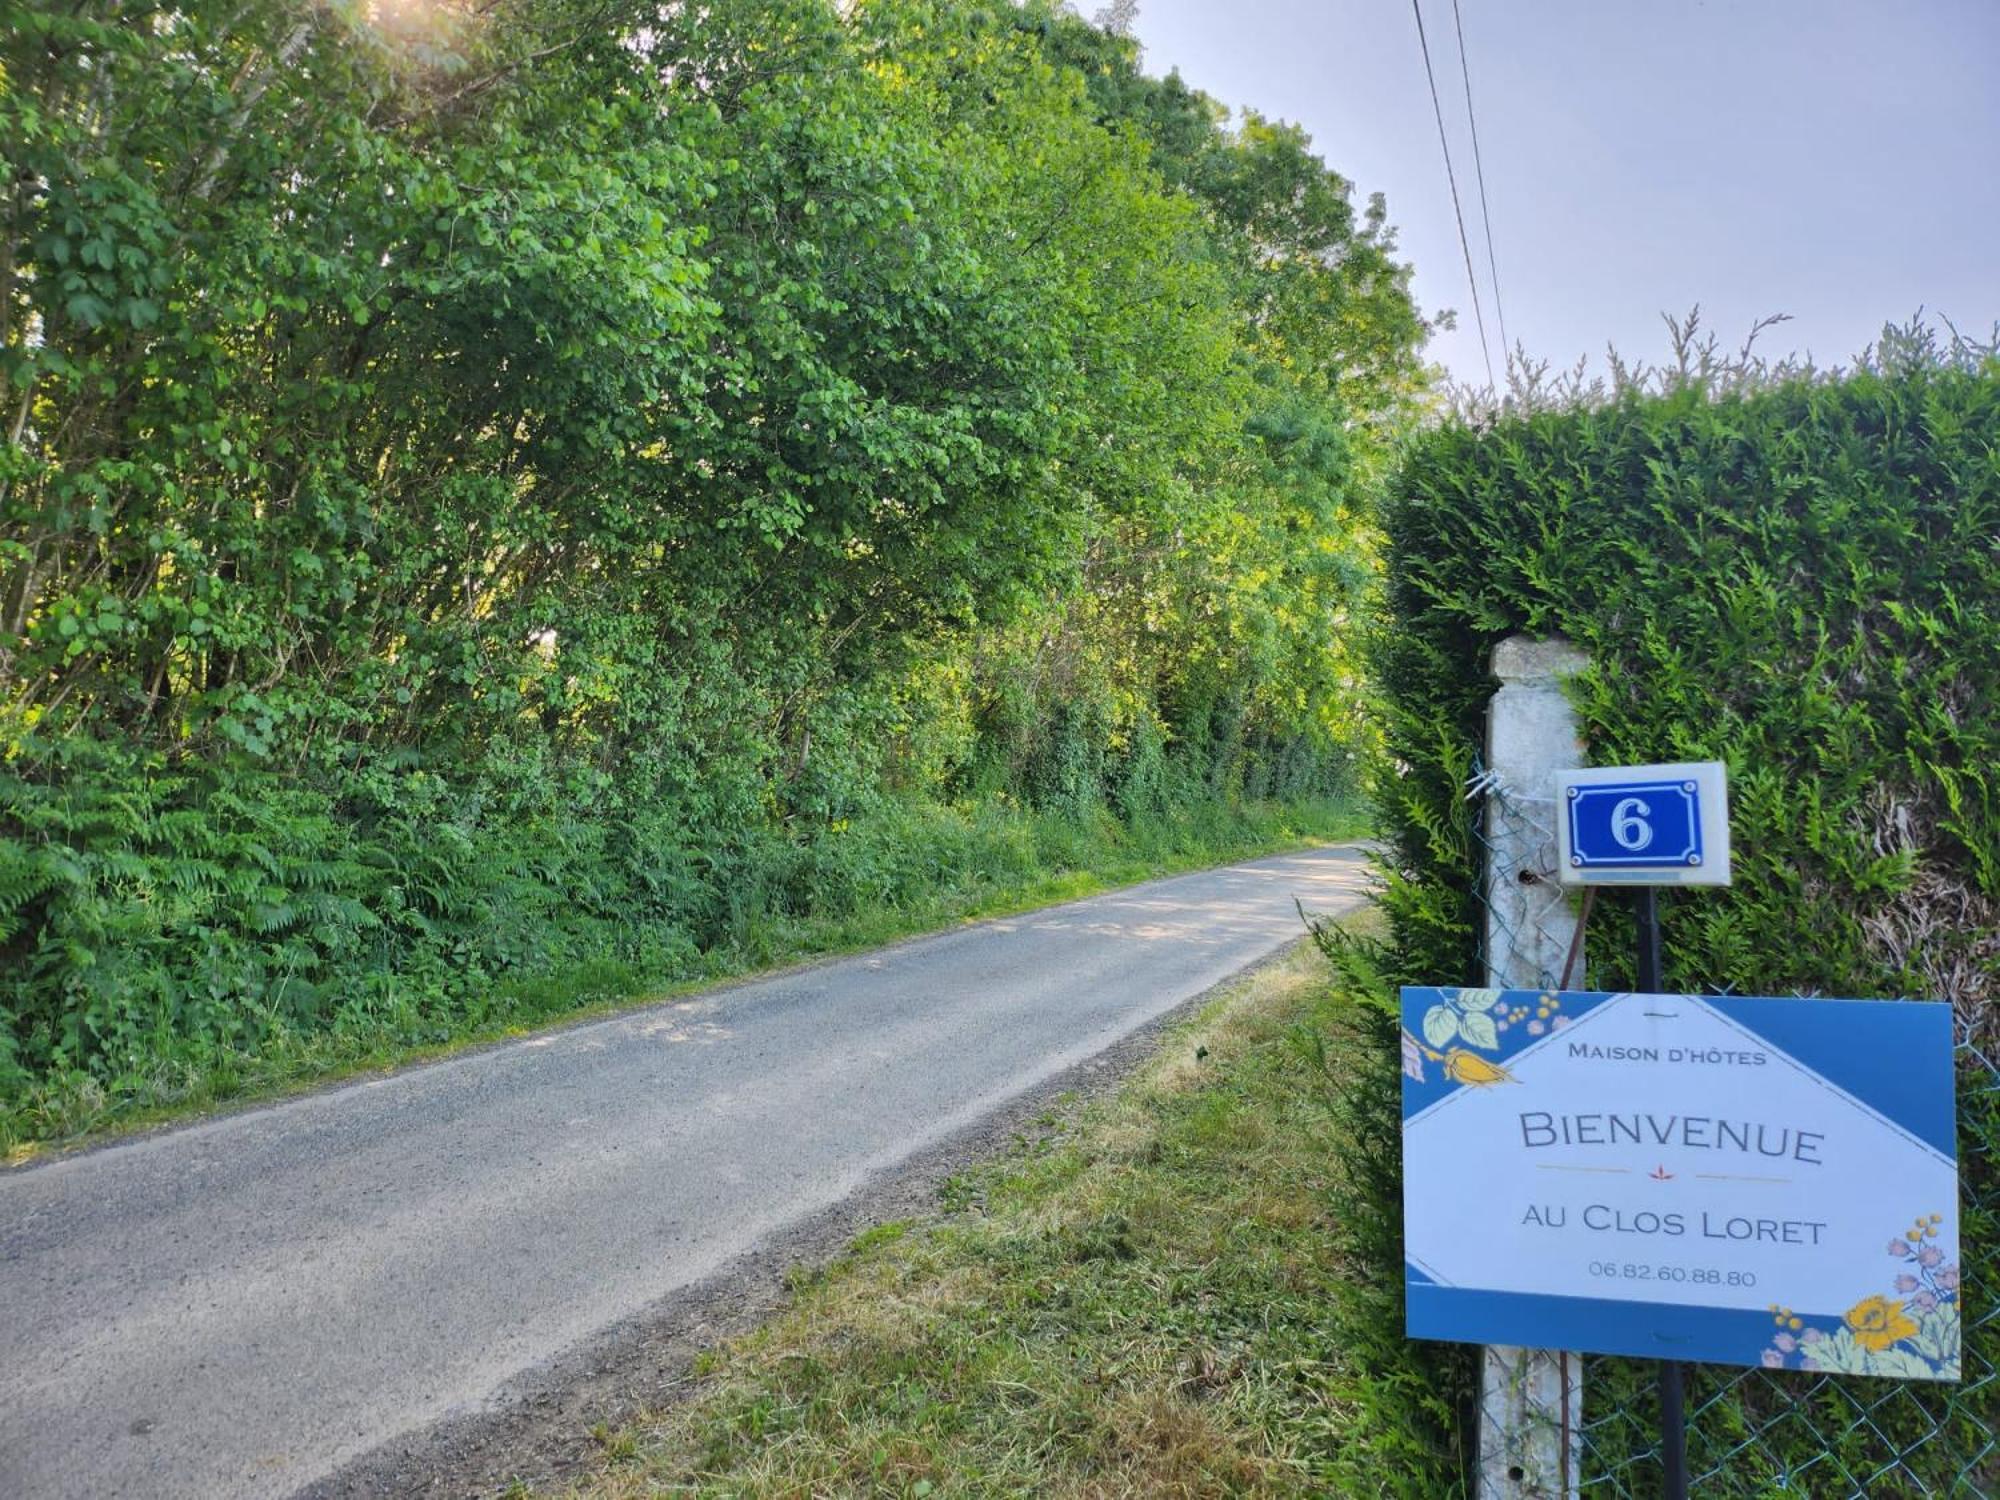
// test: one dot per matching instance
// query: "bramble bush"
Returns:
(1799, 578)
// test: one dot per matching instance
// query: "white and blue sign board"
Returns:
(1744, 1181)
(1643, 825)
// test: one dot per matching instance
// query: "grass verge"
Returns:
(925, 868)
(1134, 1304)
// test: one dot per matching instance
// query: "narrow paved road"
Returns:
(240, 1307)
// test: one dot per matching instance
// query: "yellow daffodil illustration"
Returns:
(1914, 1334)
(1878, 1322)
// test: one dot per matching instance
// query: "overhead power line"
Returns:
(1479, 172)
(1464, 244)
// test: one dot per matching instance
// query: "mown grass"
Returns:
(1134, 1304)
(912, 870)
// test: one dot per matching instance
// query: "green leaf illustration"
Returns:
(1937, 1333)
(1440, 1025)
(1902, 1364)
(1837, 1354)
(1477, 1000)
(1479, 1030)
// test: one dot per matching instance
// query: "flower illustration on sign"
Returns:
(1912, 1332)
(1878, 1322)
(1413, 1058)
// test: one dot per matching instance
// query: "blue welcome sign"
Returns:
(1644, 825)
(1739, 1180)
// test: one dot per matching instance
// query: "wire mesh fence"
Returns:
(1760, 1432)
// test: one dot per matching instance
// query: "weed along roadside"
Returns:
(1133, 1300)
(935, 867)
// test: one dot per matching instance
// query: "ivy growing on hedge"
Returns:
(1803, 582)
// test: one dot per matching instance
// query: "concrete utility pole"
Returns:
(1530, 1400)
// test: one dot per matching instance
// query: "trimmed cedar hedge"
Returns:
(1803, 582)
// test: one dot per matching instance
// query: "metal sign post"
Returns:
(1673, 1385)
(1648, 826)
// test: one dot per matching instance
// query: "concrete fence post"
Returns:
(1531, 1400)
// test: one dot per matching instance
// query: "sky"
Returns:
(1837, 160)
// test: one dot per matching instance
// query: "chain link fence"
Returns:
(1758, 1432)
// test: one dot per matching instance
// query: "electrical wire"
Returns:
(1479, 172)
(1464, 244)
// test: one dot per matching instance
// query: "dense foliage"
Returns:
(1801, 582)
(493, 490)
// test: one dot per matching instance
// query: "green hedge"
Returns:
(1803, 582)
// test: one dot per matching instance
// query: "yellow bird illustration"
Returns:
(1461, 1066)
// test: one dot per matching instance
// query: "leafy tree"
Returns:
(494, 487)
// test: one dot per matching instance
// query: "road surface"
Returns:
(241, 1307)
